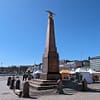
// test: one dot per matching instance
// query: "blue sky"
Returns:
(23, 26)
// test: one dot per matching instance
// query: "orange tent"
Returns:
(65, 74)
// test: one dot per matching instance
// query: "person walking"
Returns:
(59, 86)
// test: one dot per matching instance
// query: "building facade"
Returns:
(95, 63)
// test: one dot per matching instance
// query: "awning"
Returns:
(38, 72)
(65, 72)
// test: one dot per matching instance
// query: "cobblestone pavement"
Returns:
(93, 94)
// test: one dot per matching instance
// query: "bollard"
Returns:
(8, 81)
(26, 90)
(17, 85)
(12, 83)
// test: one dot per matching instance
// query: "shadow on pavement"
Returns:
(93, 90)
(33, 97)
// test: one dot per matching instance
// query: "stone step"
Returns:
(44, 81)
(41, 83)
(44, 87)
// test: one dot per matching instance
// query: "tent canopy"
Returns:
(65, 72)
(38, 72)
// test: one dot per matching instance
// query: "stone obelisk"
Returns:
(50, 58)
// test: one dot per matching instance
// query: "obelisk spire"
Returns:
(50, 40)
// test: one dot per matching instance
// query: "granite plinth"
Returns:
(40, 84)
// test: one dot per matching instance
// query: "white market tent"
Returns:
(38, 72)
(84, 70)
(72, 72)
(77, 70)
(91, 71)
(86, 74)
